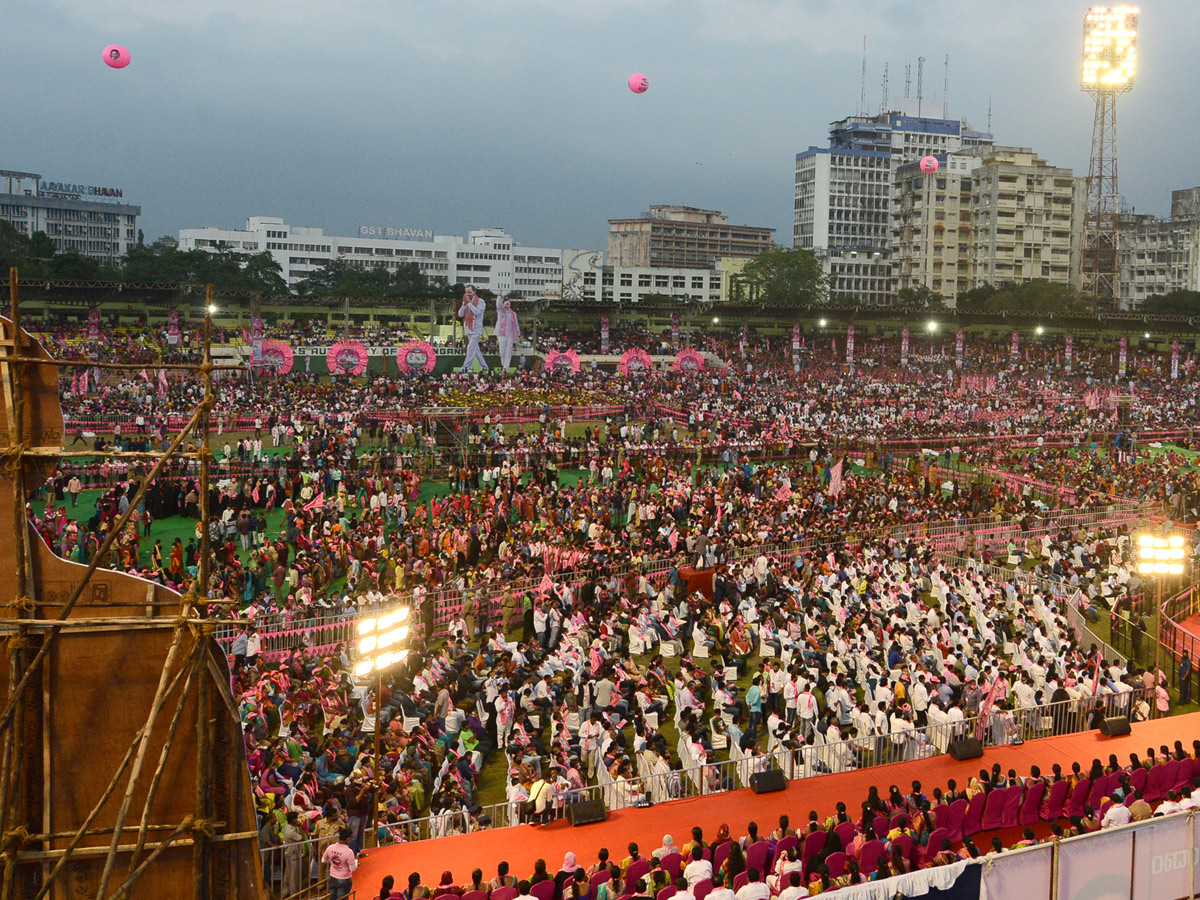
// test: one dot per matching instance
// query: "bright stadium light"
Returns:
(1109, 48)
(1159, 558)
(1040, 330)
(716, 320)
(822, 323)
(931, 326)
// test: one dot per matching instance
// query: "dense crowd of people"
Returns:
(562, 634)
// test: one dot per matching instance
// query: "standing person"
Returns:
(1185, 679)
(507, 330)
(342, 863)
(74, 486)
(293, 854)
(471, 309)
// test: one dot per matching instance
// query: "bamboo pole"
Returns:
(143, 745)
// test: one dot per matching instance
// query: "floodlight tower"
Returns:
(1109, 62)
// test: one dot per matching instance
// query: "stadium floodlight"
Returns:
(1159, 555)
(1109, 48)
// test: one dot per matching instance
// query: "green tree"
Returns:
(1176, 303)
(41, 246)
(921, 297)
(1038, 295)
(782, 277)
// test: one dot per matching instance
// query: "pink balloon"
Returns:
(639, 83)
(116, 56)
(929, 165)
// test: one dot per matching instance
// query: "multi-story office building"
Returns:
(488, 258)
(88, 219)
(990, 215)
(631, 284)
(681, 237)
(1159, 256)
(843, 194)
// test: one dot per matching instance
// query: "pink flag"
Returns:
(317, 502)
(783, 494)
(83, 382)
(835, 479)
(254, 494)
(144, 375)
(162, 382)
(546, 585)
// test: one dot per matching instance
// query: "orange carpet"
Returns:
(524, 844)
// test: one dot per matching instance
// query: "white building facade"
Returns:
(88, 219)
(1160, 256)
(488, 258)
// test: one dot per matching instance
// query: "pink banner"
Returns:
(796, 340)
(960, 340)
(604, 333)
(1175, 358)
(1122, 357)
(688, 361)
(1015, 349)
(674, 331)
(850, 346)
(745, 339)
(173, 327)
(94, 325)
(1070, 348)
(256, 336)
(904, 346)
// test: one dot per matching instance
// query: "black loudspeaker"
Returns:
(587, 812)
(1112, 726)
(768, 781)
(965, 748)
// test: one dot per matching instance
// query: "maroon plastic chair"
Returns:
(881, 827)
(1031, 806)
(757, 857)
(836, 863)
(993, 811)
(974, 815)
(667, 893)
(636, 870)
(672, 862)
(941, 815)
(1185, 772)
(446, 897)
(597, 879)
(1104, 807)
(475, 895)
(1056, 800)
(905, 843)
(1012, 807)
(702, 889)
(1172, 776)
(934, 847)
(787, 843)
(544, 890)
(958, 813)
(505, 893)
(1098, 792)
(1156, 784)
(719, 856)
(846, 832)
(1079, 795)
(740, 881)
(868, 856)
(813, 843)
(898, 820)
(1137, 778)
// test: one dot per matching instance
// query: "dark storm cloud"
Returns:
(467, 113)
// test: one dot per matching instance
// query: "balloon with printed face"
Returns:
(116, 57)
(639, 83)
(929, 165)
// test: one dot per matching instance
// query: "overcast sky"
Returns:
(460, 114)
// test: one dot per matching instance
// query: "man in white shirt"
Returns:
(795, 890)
(1118, 814)
(1170, 805)
(719, 891)
(699, 869)
(754, 889)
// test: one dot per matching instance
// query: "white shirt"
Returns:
(722, 893)
(754, 890)
(696, 871)
(793, 893)
(1118, 814)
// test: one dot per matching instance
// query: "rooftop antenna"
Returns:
(862, 85)
(920, 83)
(907, 80)
(946, 91)
(883, 107)
(989, 113)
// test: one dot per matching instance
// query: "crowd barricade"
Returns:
(293, 871)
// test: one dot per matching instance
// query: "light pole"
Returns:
(1159, 557)
(379, 640)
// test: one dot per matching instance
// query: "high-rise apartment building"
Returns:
(989, 215)
(1159, 256)
(676, 237)
(843, 194)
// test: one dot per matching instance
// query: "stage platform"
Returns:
(523, 844)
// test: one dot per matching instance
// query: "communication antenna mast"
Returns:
(907, 80)
(946, 91)
(883, 107)
(989, 113)
(862, 84)
(920, 83)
